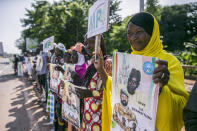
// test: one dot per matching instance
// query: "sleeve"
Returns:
(108, 68)
(106, 105)
(172, 98)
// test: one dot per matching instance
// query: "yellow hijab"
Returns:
(173, 96)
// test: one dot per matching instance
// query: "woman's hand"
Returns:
(75, 77)
(83, 93)
(98, 62)
(48, 66)
(73, 74)
(161, 73)
(59, 68)
(99, 65)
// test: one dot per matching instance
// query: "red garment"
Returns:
(93, 105)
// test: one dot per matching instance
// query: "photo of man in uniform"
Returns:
(123, 116)
(133, 81)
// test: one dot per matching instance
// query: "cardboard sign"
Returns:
(71, 105)
(57, 78)
(31, 44)
(68, 70)
(48, 44)
(98, 17)
(54, 78)
(134, 94)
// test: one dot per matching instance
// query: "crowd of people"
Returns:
(94, 71)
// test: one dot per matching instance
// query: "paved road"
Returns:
(19, 106)
(4, 66)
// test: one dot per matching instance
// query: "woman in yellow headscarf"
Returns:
(144, 37)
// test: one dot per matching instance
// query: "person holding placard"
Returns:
(92, 113)
(42, 72)
(28, 65)
(80, 65)
(52, 52)
(76, 60)
(59, 123)
(143, 35)
(57, 57)
(15, 61)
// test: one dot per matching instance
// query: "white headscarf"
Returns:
(54, 45)
(61, 47)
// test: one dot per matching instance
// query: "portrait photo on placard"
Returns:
(71, 104)
(134, 94)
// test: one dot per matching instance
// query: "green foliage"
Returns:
(118, 38)
(75, 25)
(189, 55)
(153, 7)
(36, 21)
(20, 44)
(67, 20)
(178, 25)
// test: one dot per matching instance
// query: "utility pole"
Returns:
(141, 5)
(1, 49)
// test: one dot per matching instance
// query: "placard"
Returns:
(31, 44)
(98, 17)
(69, 68)
(134, 94)
(48, 44)
(71, 105)
(54, 78)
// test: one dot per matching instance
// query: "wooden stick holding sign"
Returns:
(97, 45)
(98, 20)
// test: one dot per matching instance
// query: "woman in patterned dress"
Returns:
(92, 112)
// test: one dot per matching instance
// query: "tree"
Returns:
(118, 37)
(153, 7)
(36, 21)
(115, 20)
(76, 24)
(178, 25)
(67, 20)
(20, 43)
(57, 16)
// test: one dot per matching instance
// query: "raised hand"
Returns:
(83, 93)
(161, 73)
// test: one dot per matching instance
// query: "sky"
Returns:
(11, 11)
